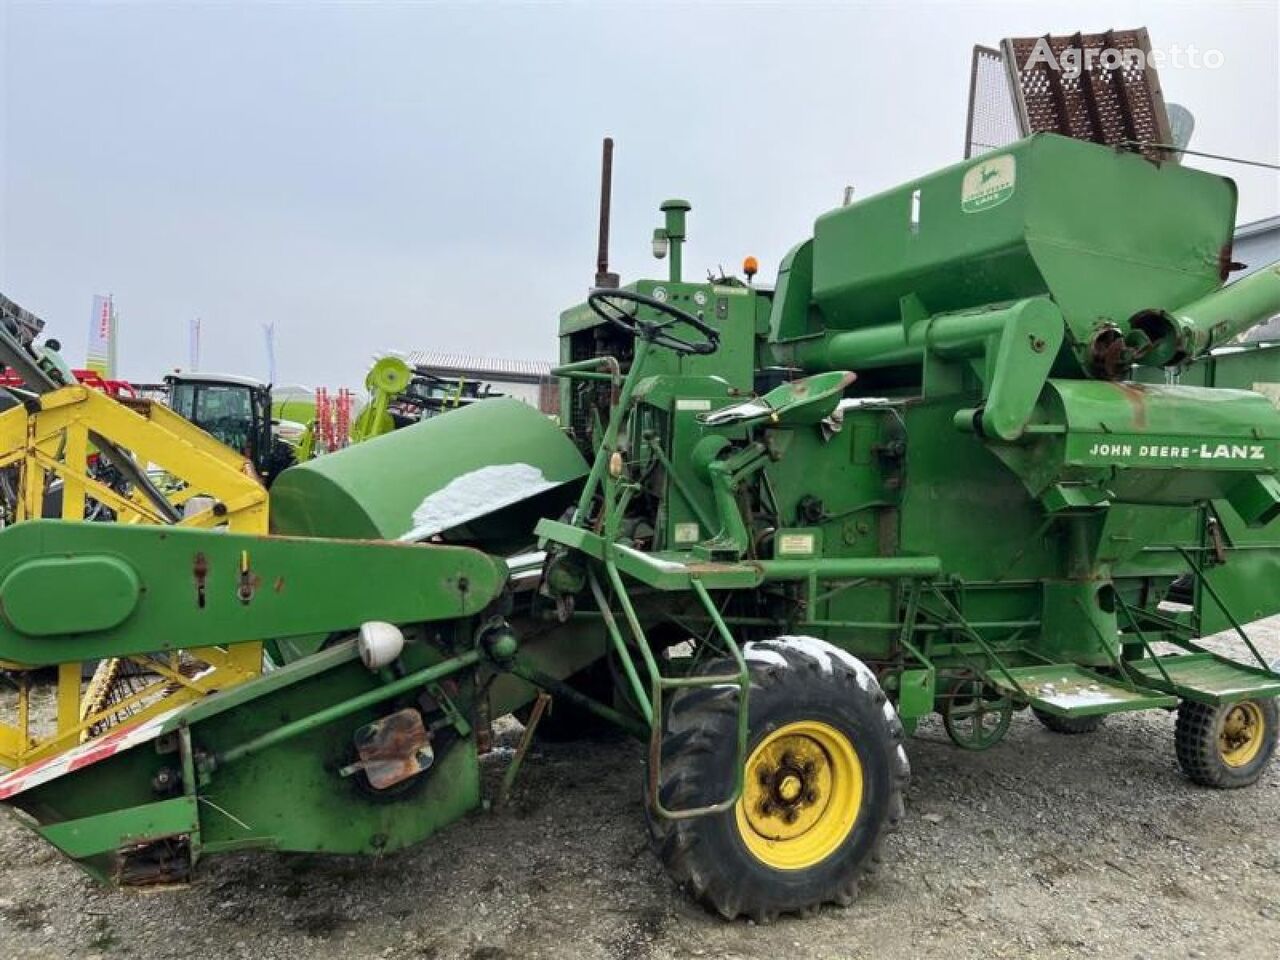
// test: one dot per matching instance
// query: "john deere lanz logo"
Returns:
(988, 184)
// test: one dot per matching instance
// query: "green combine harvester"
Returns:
(778, 528)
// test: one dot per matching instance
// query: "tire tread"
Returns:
(700, 724)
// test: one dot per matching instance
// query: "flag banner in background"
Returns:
(193, 344)
(100, 355)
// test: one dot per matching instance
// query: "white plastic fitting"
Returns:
(379, 644)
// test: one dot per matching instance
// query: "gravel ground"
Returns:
(1046, 846)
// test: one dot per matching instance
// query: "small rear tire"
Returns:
(825, 773)
(1227, 746)
(1069, 726)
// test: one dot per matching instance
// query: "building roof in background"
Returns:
(1265, 225)
(1264, 235)
(480, 366)
(293, 391)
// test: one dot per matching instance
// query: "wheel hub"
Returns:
(792, 776)
(790, 788)
(1242, 736)
(801, 795)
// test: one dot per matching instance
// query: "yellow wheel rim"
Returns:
(1244, 729)
(801, 794)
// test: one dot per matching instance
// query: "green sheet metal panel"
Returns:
(1170, 426)
(1209, 679)
(1105, 233)
(1247, 581)
(34, 595)
(956, 493)
(1244, 366)
(109, 831)
(484, 474)
(1069, 690)
(1148, 443)
(195, 588)
(289, 796)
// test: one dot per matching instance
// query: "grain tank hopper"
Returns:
(780, 526)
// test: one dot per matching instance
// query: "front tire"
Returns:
(824, 777)
(1227, 746)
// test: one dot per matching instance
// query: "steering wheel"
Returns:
(603, 301)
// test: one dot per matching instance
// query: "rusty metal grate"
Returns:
(1112, 99)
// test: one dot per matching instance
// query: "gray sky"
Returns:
(376, 177)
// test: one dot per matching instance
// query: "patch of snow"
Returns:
(475, 494)
(746, 410)
(1068, 696)
(826, 654)
(668, 565)
(755, 653)
(852, 403)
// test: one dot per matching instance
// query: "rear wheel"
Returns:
(1071, 726)
(1226, 746)
(823, 782)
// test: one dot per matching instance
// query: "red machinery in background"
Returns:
(118, 389)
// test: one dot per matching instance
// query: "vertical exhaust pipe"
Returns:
(603, 277)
